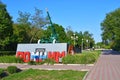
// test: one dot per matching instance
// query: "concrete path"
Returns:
(106, 68)
(50, 67)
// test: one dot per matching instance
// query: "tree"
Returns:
(21, 33)
(80, 37)
(69, 33)
(36, 34)
(38, 20)
(110, 29)
(33, 25)
(6, 29)
(24, 18)
(60, 31)
(88, 40)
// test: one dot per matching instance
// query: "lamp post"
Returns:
(82, 45)
(74, 37)
(87, 43)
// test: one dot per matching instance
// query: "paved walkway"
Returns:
(51, 67)
(106, 68)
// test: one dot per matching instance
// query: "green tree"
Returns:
(60, 31)
(36, 34)
(21, 33)
(69, 33)
(110, 29)
(80, 37)
(6, 29)
(88, 40)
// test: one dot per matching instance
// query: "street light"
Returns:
(82, 45)
(74, 37)
(87, 43)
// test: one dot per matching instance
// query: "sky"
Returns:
(81, 15)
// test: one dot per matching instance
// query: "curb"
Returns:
(77, 64)
(13, 64)
(54, 69)
(85, 76)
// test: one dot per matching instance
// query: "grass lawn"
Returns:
(35, 74)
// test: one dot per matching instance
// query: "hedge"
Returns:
(84, 58)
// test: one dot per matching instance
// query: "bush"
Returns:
(40, 63)
(32, 63)
(49, 61)
(84, 58)
(69, 59)
(18, 60)
(12, 69)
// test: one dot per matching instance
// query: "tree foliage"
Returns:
(110, 29)
(24, 18)
(38, 20)
(6, 29)
(35, 23)
(60, 31)
(83, 37)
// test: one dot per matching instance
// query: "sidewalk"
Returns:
(78, 67)
(106, 68)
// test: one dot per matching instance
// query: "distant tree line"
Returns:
(30, 28)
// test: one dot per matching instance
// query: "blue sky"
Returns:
(81, 15)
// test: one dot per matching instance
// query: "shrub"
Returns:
(32, 63)
(68, 59)
(41, 62)
(12, 69)
(49, 61)
(18, 60)
(84, 58)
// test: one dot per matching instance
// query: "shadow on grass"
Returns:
(5, 73)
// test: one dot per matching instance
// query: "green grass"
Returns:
(35, 74)
(9, 59)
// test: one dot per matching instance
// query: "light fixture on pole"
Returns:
(74, 37)
(82, 45)
(87, 43)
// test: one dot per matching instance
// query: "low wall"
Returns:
(41, 51)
